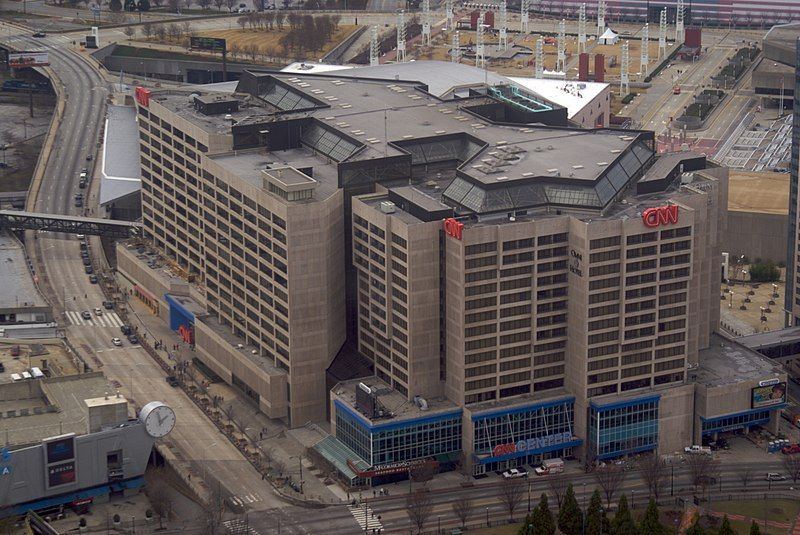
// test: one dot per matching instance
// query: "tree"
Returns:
(570, 516)
(159, 493)
(230, 4)
(147, 30)
(214, 510)
(418, 508)
(144, 5)
(218, 4)
(623, 523)
(754, 529)
(650, 523)
(557, 483)
(115, 6)
(653, 470)
(700, 468)
(129, 31)
(161, 34)
(204, 4)
(594, 515)
(764, 272)
(745, 475)
(543, 521)
(510, 494)
(696, 529)
(609, 477)
(725, 528)
(242, 21)
(424, 472)
(462, 508)
(157, 3)
(791, 463)
(465, 463)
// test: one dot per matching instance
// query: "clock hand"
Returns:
(160, 419)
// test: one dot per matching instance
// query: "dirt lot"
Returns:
(53, 359)
(21, 153)
(764, 192)
(268, 42)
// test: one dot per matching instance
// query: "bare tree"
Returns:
(609, 478)
(147, 30)
(558, 483)
(422, 473)
(279, 466)
(419, 507)
(174, 31)
(229, 413)
(791, 463)
(161, 34)
(204, 4)
(229, 4)
(653, 470)
(218, 4)
(159, 493)
(745, 475)
(129, 31)
(186, 26)
(241, 422)
(700, 468)
(462, 508)
(242, 21)
(465, 466)
(510, 493)
(214, 510)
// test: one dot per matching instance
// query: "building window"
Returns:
(623, 429)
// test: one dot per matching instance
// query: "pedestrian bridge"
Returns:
(16, 220)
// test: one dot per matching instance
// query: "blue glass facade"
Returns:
(732, 422)
(622, 428)
(525, 435)
(398, 441)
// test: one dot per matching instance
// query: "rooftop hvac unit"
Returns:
(687, 178)
(387, 207)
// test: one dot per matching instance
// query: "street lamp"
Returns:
(583, 516)
(529, 495)
(487, 517)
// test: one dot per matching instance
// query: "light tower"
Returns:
(582, 29)
(401, 37)
(624, 77)
(455, 51)
(679, 22)
(503, 44)
(524, 7)
(561, 61)
(601, 17)
(448, 7)
(539, 57)
(480, 52)
(645, 55)
(662, 34)
(426, 22)
(373, 46)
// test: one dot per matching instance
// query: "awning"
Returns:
(340, 456)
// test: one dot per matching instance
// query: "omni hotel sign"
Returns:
(531, 444)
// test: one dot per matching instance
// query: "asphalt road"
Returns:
(140, 378)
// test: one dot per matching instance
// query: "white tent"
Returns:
(608, 37)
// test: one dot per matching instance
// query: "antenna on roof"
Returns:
(373, 47)
(401, 37)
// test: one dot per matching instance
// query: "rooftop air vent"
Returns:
(602, 164)
(387, 207)
(615, 151)
(577, 167)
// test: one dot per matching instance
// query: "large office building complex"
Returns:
(522, 288)
(792, 303)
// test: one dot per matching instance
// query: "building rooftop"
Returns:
(18, 290)
(393, 403)
(43, 408)
(783, 39)
(770, 338)
(572, 95)
(727, 362)
(120, 155)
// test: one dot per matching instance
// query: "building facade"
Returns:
(792, 297)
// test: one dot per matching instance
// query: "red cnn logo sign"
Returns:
(453, 227)
(660, 215)
(142, 96)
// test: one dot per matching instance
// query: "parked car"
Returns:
(84, 246)
(772, 476)
(513, 473)
(697, 449)
(791, 449)
(39, 34)
(132, 338)
(172, 380)
(108, 305)
(93, 279)
(126, 330)
(98, 311)
(116, 341)
(86, 315)
(2, 367)
(89, 157)
(87, 262)
(78, 203)
(88, 270)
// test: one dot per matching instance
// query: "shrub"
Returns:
(764, 272)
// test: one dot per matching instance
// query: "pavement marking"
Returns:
(111, 320)
(365, 517)
(239, 527)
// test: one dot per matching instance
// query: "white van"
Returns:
(550, 466)
(16, 377)
(37, 373)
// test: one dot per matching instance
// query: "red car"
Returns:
(791, 448)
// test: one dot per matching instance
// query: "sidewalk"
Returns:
(284, 445)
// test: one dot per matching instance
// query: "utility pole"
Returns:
(503, 44)
(373, 47)
(662, 35)
(525, 7)
(480, 51)
(624, 76)
(601, 17)
(539, 73)
(679, 34)
(561, 61)
(448, 7)
(582, 28)
(426, 22)
(455, 50)
(645, 52)
(401, 37)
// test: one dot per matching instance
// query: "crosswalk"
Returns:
(246, 499)
(108, 319)
(365, 517)
(239, 527)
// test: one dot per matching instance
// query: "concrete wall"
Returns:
(675, 418)
(756, 235)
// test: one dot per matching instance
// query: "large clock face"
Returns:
(159, 419)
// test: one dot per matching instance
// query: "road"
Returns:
(142, 380)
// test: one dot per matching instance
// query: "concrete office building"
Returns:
(792, 303)
(522, 291)
(24, 313)
(68, 441)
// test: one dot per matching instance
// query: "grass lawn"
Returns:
(508, 529)
(267, 40)
(776, 510)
